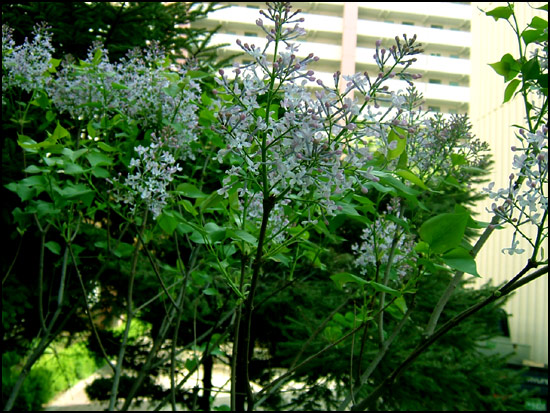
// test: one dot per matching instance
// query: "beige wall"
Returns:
(491, 122)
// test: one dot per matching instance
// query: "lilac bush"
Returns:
(239, 170)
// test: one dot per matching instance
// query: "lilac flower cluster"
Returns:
(525, 200)
(26, 66)
(307, 144)
(150, 175)
(377, 240)
(84, 91)
(439, 145)
(141, 87)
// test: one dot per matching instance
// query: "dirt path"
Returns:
(76, 399)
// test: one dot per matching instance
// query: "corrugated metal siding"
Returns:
(491, 120)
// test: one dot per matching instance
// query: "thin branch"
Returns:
(386, 384)
(130, 315)
(13, 261)
(156, 271)
(378, 358)
(88, 312)
(277, 382)
(438, 309)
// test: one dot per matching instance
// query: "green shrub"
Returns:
(54, 372)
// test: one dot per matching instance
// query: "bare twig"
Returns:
(517, 282)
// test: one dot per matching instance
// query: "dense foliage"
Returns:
(259, 217)
(119, 27)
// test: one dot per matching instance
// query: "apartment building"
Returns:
(343, 35)
(492, 120)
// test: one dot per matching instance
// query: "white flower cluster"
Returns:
(378, 239)
(150, 174)
(140, 87)
(308, 145)
(438, 144)
(26, 66)
(526, 198)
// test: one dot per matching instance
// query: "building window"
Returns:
(454, 83)
(436, 109)
(436, 26)
(455, 56)
(408, 23)
(435, 81)
(435, 54)
(251, 34)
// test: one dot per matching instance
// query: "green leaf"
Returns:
(107, 148)
(214, 232)
(53, 247)
(73, 169)
(422, 247)
(168, 221)
(96, 158)
(100, 172)
(445, 231)
(510, 89)
(398, 135)
(59, 133)
(54, 63)
(210, 291)
(31, 145)
(73, 155)
(97, 57)
(123, 249)
(283, 259)
(197, 74)
(188, 206)
(43, 208)
(76, 192)
(538, 23)
(409, 176)
(400, 186)
(33, 169)
(501, 12)
(345, 277)
(458, 159)
(190, 191)
(398, 308)
(211, 201)
(461, 260)
(383, 288)
(26, 142)
(118, 86)
(24, 192)
(91, 130)
(239, 234)
(507, 67)
(531, 69)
